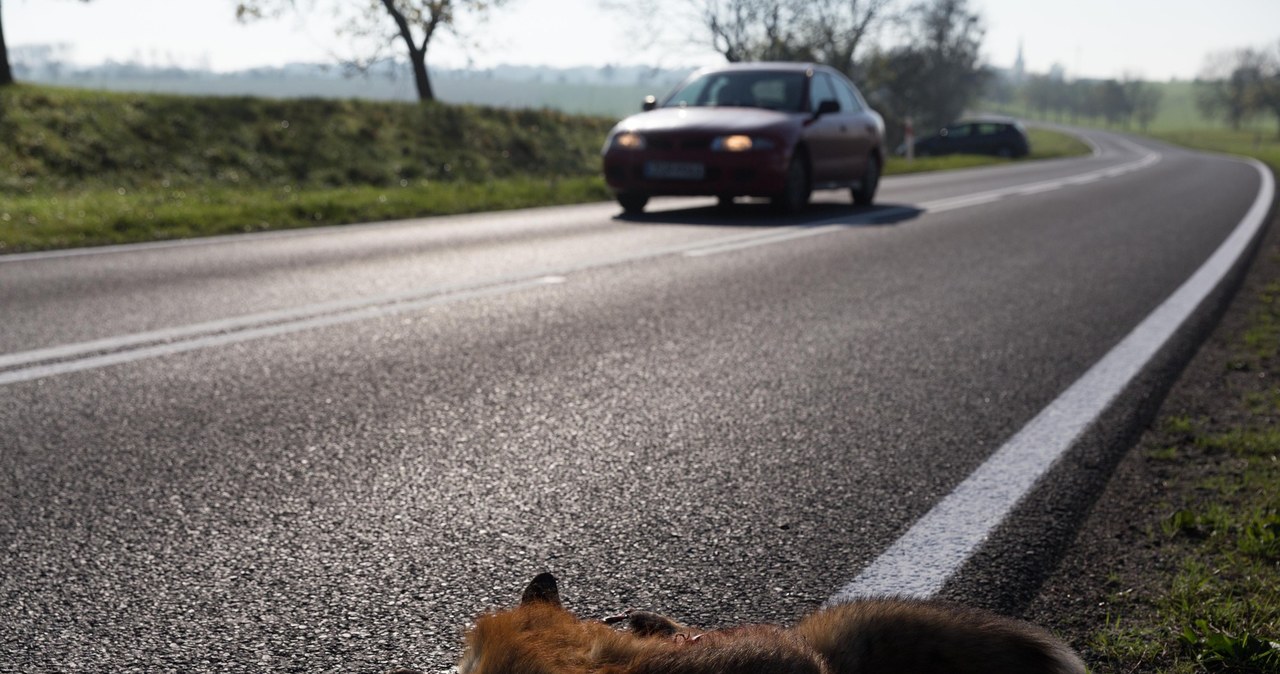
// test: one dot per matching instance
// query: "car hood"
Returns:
(709, 120)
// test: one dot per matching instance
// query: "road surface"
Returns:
(329, 449)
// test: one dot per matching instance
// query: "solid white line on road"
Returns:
(939, 544)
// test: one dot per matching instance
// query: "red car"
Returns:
(777, 130)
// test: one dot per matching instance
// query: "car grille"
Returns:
(677, 142)
(637, 173)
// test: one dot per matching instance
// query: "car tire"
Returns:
(795, 193)
(1005, 152)
(632, 204)
(865, 193)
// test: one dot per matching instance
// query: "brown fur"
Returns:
(888, 636)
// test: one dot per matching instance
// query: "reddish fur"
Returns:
(927, 637)
(543, 638)
(888, 636)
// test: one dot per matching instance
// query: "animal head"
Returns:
(539, 636)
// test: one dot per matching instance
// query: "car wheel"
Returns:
(1005, 152)
(632, 203)
(865, 192)
(795, 194)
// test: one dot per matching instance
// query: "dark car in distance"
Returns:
(998, 136)
(776, 130)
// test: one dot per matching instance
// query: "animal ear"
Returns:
(542, 589)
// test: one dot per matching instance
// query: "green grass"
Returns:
(99, 217)
(86, 168)
(81, 168)
(1219, 610)
(1262, 146)
(1045, 144)
(56, 139)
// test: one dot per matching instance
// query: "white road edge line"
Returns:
(941, 541)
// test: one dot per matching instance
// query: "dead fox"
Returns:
(877, 636)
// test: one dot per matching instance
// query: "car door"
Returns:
(989, 138)
(864, 128)
(957, 139)
(831, 136)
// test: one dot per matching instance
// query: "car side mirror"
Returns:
(649, 103)
(827, 107)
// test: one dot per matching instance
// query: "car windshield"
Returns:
(743, 89)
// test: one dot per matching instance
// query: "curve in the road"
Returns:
(34, 364)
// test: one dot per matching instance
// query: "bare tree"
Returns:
(825, 31)
(835, 30)
(413, 23)
(6, 73)
(937, 72)
(1115, 102)
(1143, 100)
(1267, 95)
(1227, 85)
(752, 30)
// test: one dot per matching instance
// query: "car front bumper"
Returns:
(759, 174)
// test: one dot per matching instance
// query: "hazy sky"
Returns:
(1096, 38)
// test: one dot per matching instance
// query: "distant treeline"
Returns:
(1117, 102)
(1233, 88)
(1240, 85)
(47, 62)
(608, 90)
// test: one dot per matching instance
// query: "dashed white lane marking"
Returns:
(250, 333)
(938, 544)
(1146, 158)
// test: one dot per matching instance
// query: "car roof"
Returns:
(986, 119)
(783, 66)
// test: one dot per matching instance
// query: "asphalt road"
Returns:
(328, 450)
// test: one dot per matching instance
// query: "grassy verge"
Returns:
(86, 168)
(1045, 144)
(1265, 147)
(82, 168)
(106, 216)
(1216, 604)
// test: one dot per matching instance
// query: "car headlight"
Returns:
(628, 140)
(741, 143)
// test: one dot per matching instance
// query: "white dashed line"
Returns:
(246, 331)
(92, 354)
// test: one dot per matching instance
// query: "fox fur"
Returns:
(876, 636)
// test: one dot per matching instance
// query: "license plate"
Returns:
(674, 170)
